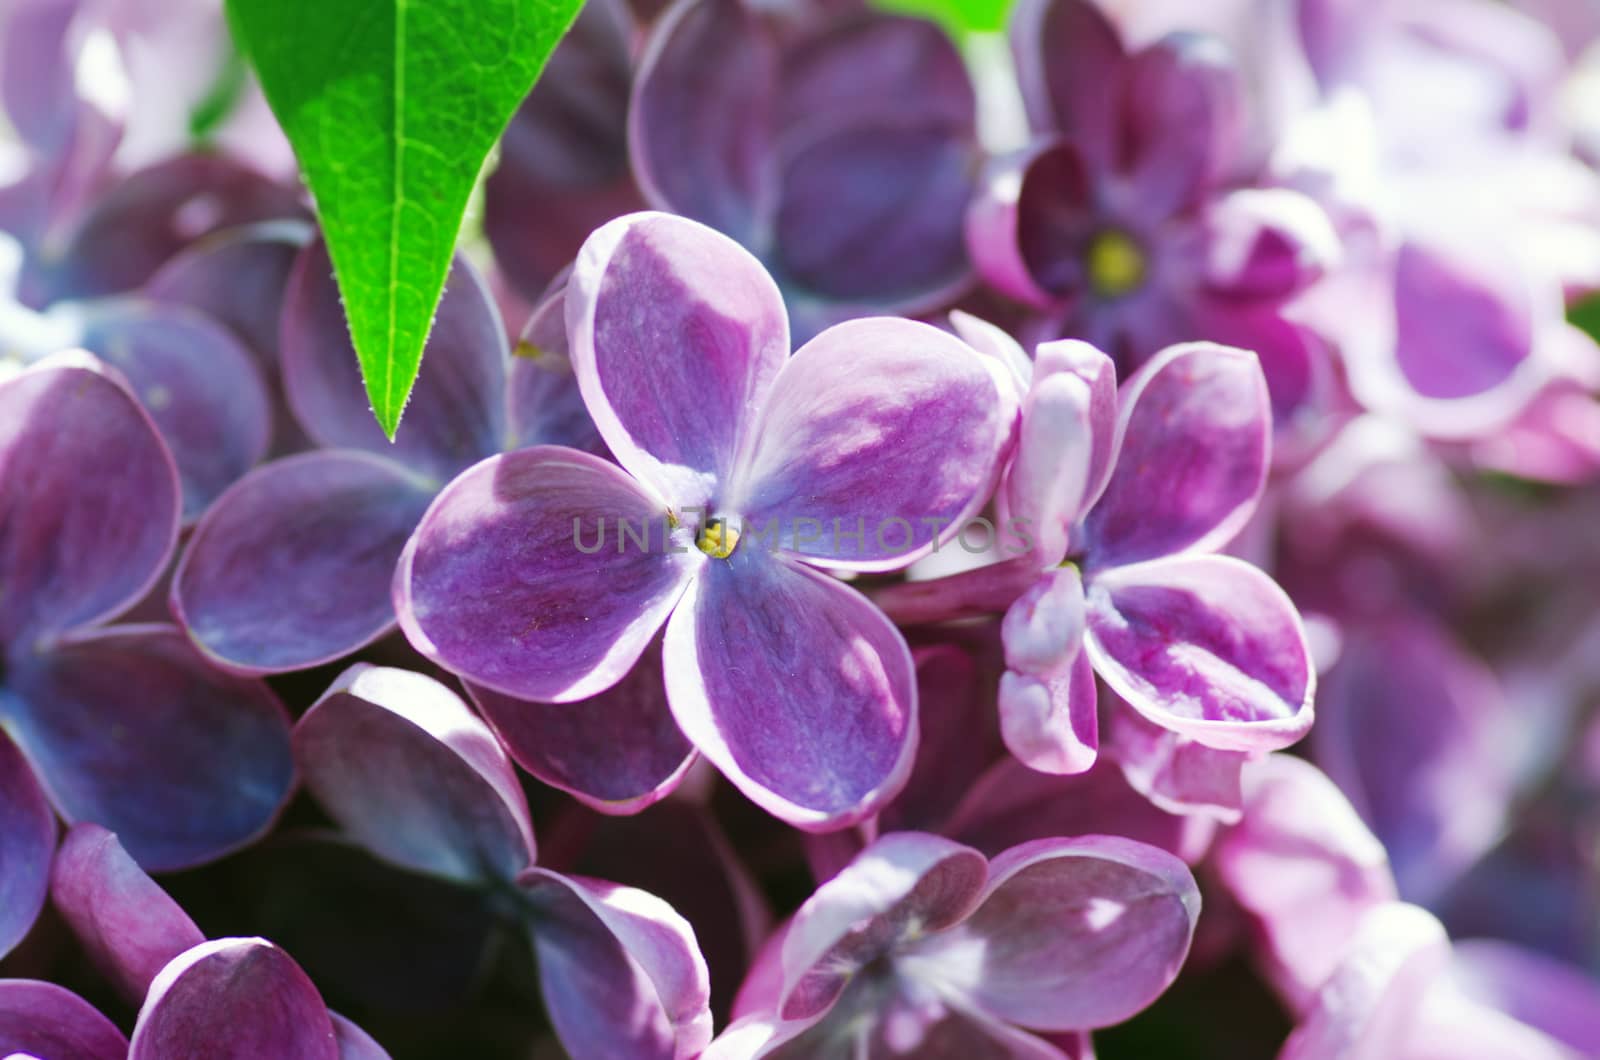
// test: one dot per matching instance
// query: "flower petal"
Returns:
(238, 997)
(126, 923)
(618, 751)
(620, 971)
(522, 576)
(700, 134)
(900, 887)
(677, 334)
(1049, 722)
(879, 158)
(143, 219)
(1557, 998)
(795, 687)
(883, 435)
(130, 728)
(199, 384)
(1178, 774)
(27, 842)
(1370, 1003)
(1047, 482)
(1206, 646)
(1070, 62)
(1012, 804)
(89, 499)
(355, 1043)
(456, 415)
(563, 168)
(43, 1020)
(1179, 125)
(1195, 436)
(1304, 866)
(1419, 734)
(1071, 934)
(291, 567)
(401, 763)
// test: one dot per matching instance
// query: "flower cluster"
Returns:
(1072, 542)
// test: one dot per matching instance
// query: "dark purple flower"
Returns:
(411, 774)
(790, 682)
(291, 566)
(922, 947)
(123, 725)
(839, 146)
(1132, 221)
(1123, 498)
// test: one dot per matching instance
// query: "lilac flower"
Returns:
(243, 997)
(1124, 497)
(123, 725)
(410, 773)
(290, 567)
(922, 947)
(790, 682)
(1132, 221)
(837, 145)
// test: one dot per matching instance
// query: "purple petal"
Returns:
(1304, 866)
(240, 998)
(79, 547)
(199, 384)
(900, 887)
(43, 1020)
(879, 161)
(620, 972)
(1012, 804)
(412, 774)
(993, 341)
(883, 436)
(147, 217)
(1368, 1005)
(37, 84)
(546, 406)
(355, 1043)
(1267, 243)
(795, 687)
(953, 749)
(1175, 772)
(1206, 646)
(1069, 59)
(700, 132)
(996, 229)
(1179, 124)
(27, 842)
(1072, 934)
(618, 751)
(677, 336)
(126, 923)
(585, 598)
(1415, 731)
(1557, 998)
(1064, 444)
(563, 168)
(130, 728)
(291, 567)
(1049, 722)
(1195, 433)
(456, 415)
(237, 278)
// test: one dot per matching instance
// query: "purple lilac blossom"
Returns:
(1127, 496)
(789, 681)
(123, 725)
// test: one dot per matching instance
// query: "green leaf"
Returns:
(391, 107)
(958, 17)
(1586, 315)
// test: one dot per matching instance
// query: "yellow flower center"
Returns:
(718, 539)
(1116, 264)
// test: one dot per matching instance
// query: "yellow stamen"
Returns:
(718, 539)
(1116, 264)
